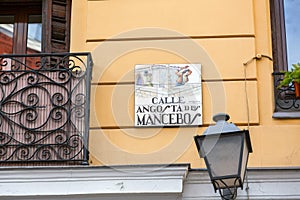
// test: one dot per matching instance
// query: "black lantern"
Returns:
(225, 149)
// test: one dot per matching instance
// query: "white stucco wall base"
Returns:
(261, 183)
(115, 182)
(145, 182)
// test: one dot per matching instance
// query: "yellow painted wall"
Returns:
(221, 35)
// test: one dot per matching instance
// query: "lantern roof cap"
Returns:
(221, 126)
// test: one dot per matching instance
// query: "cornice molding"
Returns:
(48, 181)
(147, 182)
(260, 184)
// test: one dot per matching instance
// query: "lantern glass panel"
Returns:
(223, 155)
(230, 182)
(245, 159)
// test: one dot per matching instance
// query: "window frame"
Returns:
(20, 23)
(286, 106)
(278, 35)
(56, 22)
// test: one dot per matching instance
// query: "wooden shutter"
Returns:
(278, 35)
(56, 25)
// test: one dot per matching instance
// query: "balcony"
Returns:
(287, 105)
(44, 109)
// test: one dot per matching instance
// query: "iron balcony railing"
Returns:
(44, 108)
(285, 98)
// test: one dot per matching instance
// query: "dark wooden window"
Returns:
(56, 25)
(19, 16)
(278, 35)
(284, 55)
(285, 19)
(16, 23)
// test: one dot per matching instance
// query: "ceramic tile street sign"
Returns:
(168, 95)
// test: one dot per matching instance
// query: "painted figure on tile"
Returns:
(183, 75)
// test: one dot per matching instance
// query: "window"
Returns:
(278, 35)
(285, 43)
(20, 29)
(41, 122)
(285, 19)
(292, 18)
(25, 24)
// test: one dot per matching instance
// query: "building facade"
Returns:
(242, 49)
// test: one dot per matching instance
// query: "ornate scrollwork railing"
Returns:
(44, 107)
(285, 98)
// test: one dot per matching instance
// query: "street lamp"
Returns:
(225, 149)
